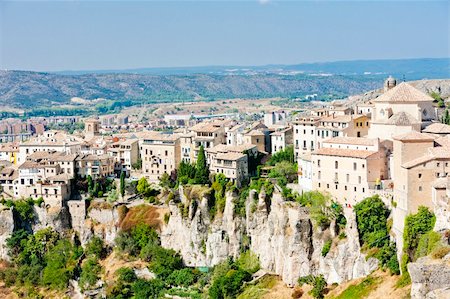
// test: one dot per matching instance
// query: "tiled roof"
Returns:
(437, 128)
(434, 153)
(339, 152)
(402, 119)
(230, 156)
(403, 93)
(352, 140)
(413, 136)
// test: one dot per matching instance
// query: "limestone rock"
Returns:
(6, 229)
(430, 278)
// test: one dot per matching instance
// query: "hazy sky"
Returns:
(84, 35)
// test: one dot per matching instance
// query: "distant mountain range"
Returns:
(27, 90)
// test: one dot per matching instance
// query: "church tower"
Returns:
(91, 127)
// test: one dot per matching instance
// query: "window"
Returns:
(328, 186)
(437, 164)
(363, 165)
(359, 179)
(336, 187)
(420, 188)
(363, 190)
(318, 163)
(167, 153)
(420, 175)
(348, 177)
(336, 164)
(354, 189)
(354, 165)
(304, 131)
(345, 188)
(318, 175)
(318, 185)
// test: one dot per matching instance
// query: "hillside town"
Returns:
(394, 148)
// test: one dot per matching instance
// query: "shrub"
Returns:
(440, 251)
(317, 282)
(96, 247)
(90, 271)
(147, 288)
(184, 277)
(371, 216)
(326, 248)
(126, 274)
(427, 243)
(248, 261)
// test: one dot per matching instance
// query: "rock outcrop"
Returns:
(6, 229)
(430, 278)
(281, 234)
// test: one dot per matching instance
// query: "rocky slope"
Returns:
(282, 236)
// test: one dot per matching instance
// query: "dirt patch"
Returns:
(384, 289)
(151, 215)
(114, 262)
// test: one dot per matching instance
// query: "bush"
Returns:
(90, 272)
(326, 248)
(440, 251)
(96, 247)
(125, 274)
(248, 261)
(371, 217)
(317, 282)
(144, 289)
(427, 243)
(184, 277)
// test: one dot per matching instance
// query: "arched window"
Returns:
(382, 112)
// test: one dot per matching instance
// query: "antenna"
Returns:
(404, 80)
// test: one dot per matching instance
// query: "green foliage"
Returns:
(317, 282)
(427, 243)
(371, 217)
(41, 259)
(361, 290)
(126, 274)
(440, 251)
(68, 127)
(372, 221)
(166, 181)
(90, 273)
(446, 117)
(96, 248)
(322, 209)
(248, 261)
(122, 184)
(201, 168)
(138, 241)
(90, 184)
(145, 289)
(144, 188)
(185, 172)
(286, 155)
(285, 172)
(417, 225)
(24, 209)
(164, 261)
(138, 164)
(183, 277)
(228, 285)
(219, 187)
(326, 247)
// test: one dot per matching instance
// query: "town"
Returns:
(394, 147)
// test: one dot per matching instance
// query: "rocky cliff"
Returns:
(430, 278)
(281, 234)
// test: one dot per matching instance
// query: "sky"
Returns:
(101, 35)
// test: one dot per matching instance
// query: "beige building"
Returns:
(400, 109)
(280, 139)
(95, 165)
(349, 168)
(208, 134)
(160, 153)
(48, 142)
(233, 165)
(419, 164)
(125, 154)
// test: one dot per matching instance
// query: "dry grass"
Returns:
(144, 213)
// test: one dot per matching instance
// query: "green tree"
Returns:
(96, 247)
(122, 184)
(371, 217)
(317, 282)
(143, 186)
(90, 183)
(90, 271)
(147, 289)
(201, 168)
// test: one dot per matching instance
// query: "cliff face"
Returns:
(6, 229)
(430, 278)
(282, 236)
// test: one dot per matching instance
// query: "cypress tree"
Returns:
(201, 169)
(122, 184)
(90, 184)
